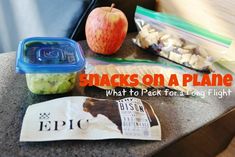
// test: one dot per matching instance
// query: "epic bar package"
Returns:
(84, 118)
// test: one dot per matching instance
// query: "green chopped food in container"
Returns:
(50, 64)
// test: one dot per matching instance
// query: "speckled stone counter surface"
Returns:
(179, 116)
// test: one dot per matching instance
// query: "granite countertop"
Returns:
(179, 116)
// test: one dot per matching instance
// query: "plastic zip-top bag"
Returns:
(178, 40)
(142, 67)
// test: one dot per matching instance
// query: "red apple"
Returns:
(106, 29)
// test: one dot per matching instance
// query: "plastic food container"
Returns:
(50, 64)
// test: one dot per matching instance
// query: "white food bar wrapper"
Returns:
(85, 118)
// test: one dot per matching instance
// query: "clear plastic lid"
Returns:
(49, 55)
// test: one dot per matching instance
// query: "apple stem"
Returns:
(112, 6)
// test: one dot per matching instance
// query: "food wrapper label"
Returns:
(85, 118)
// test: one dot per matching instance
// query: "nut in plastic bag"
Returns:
(178, 40)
